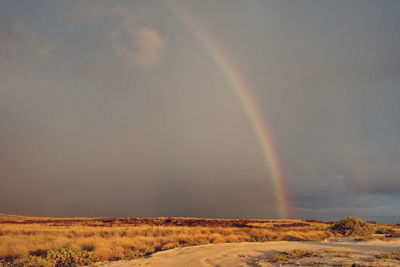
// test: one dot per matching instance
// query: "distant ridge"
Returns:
(10, 215)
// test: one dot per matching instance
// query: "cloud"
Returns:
(16, 40)
(141, 46)
(22, 53)
(132, 43)
(93, 11)
(40, 46)
(375, 175)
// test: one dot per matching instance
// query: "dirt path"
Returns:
(258, 254)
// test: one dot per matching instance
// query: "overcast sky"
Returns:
(114, 108)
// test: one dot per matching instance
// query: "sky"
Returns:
(116, 109)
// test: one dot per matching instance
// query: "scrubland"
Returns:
(115, 239)
(27, 241)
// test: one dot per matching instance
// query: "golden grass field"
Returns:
(129, 238)
(114, 239)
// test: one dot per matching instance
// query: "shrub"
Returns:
(130, 254)
(68, 257)
(353, 226)
(260, 238)
(27, 261)
(293, 254)
(384, 229)
(389, 256)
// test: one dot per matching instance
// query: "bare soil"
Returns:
(335, 252)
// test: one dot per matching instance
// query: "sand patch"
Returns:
(253, 254)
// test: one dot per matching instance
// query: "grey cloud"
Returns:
(133, 44)
(88, 135)
(143, 45)
(19, 44)
(93, 11)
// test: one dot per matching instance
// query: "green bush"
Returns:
(66, 257)
(27, 261)
(354, 226)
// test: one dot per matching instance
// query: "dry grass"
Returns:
(114, 239)
(293, 254)
(390, 256)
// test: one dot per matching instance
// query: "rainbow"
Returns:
(248, 101)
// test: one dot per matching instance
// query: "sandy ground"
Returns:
(330, 253)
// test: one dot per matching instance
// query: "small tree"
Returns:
(353, 226)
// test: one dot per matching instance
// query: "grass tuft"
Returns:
(293, 255)
(389, 256)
